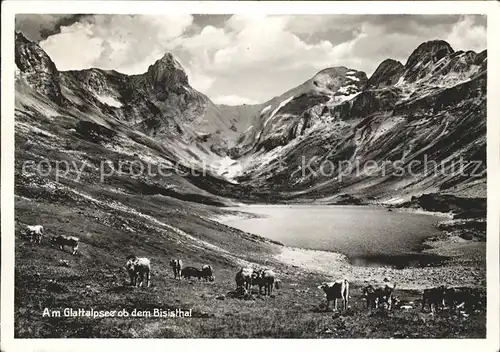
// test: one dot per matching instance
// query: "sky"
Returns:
(239, 59)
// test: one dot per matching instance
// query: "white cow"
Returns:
(176, 265)
(138, 268)
(35, 233)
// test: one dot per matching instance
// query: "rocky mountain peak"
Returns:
(166, 72)
(338, 114)
(37, 68)
(386, 74)
(31, 57)
(432, 50)
(21, 38)
(423, 56)
(339, 78)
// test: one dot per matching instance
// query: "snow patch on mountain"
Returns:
(266, 109)
(346, 89)
(109, 100)
(228, 168)
(400, 81)
(282, 104)
(349, 97)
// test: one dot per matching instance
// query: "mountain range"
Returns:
(146, 165)
(302, 146)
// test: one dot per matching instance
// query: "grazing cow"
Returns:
(335, 290)
(278, 283)
(244, 278)
(207, 273)
(190, 271)
(376, 295)
(35, 233)
(371, 297)
(458, 297)
(386, 292)
(264, 278)
(69, 241)
(176, 265)
(138, 269)
(434, 297)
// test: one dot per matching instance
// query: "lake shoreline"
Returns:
(431, 254)
(248, 215)
(453, 267)
(336, 265)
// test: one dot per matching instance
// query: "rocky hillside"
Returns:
(341, 133)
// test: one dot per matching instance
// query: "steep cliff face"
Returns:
(166, 85)
(386, 74)
(165, 74)
(421, 61)
(37, 68)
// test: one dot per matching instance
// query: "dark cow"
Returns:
(385, 292)
(464, 297)
(138, 270)
(335, 290)
(189, 271)
(434, 297)
(243, 278)
(207, 273)
(371, 297)
(61, 241)
(379, 294)
(176, 265)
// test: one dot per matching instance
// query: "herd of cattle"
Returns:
(36, 232)
(139, 270)
(377, 296)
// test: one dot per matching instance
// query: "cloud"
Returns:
(250, 58)
(198, 80)
(40, 26)
(74, 47)
(468, 34)
(233, 100)
(120, 42)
